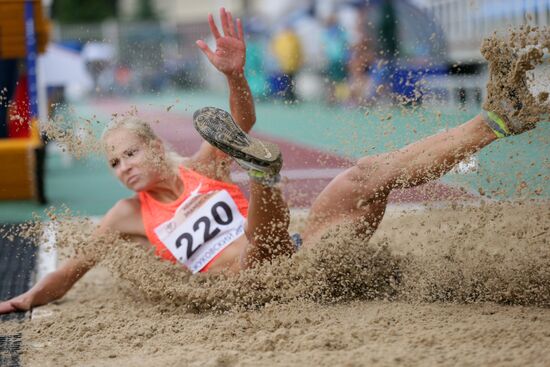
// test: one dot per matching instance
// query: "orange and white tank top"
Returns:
(195, 228)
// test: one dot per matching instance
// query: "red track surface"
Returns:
(307, 170)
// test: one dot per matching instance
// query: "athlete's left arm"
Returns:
(229, 58)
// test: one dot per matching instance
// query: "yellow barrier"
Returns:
(21, 159)
(12, 28)
(19, 167)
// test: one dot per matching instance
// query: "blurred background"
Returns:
(347, 77)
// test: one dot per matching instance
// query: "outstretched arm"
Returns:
(228, 58)
(120, 219)
(52, 287)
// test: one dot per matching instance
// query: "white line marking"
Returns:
(297, 174)
(46, 260)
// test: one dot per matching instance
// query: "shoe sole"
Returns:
(218, 128)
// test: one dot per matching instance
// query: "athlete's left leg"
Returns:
(267, 225)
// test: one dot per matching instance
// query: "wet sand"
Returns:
(104, 321)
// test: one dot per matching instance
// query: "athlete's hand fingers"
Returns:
(213, 28)
(6, 307)
(22, 304)
(240, 35)
(230, 24)
(205, 49)
(225, 25)
(15, 304)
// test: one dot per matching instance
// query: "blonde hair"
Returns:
(145, 132)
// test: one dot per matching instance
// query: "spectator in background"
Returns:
(388, 50)
(123, 78)
(337, 54)
(362, 56)
(98, 56)
(373, 60)
(288, 52)
(255, 68)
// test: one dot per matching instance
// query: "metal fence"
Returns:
(467, 22)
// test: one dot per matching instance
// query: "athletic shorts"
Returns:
(297, 241)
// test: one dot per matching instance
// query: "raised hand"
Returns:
(230, 54)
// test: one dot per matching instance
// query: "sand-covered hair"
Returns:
(134, 124)
(144, 131)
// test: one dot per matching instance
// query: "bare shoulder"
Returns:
(211, 162)
(124, 217)
(127, 206)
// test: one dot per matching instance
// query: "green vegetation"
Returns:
(70, 11)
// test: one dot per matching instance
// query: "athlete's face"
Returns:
(134, 162)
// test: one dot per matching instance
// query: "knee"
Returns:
(372, 176)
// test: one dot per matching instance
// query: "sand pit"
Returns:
(455, 263)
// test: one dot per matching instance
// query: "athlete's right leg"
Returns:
(359, 194)
(268, 214)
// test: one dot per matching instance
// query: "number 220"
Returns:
(207, 234)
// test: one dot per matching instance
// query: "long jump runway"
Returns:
(17, 260)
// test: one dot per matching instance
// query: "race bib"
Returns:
(202, 226)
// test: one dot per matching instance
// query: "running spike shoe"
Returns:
(261, 159)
